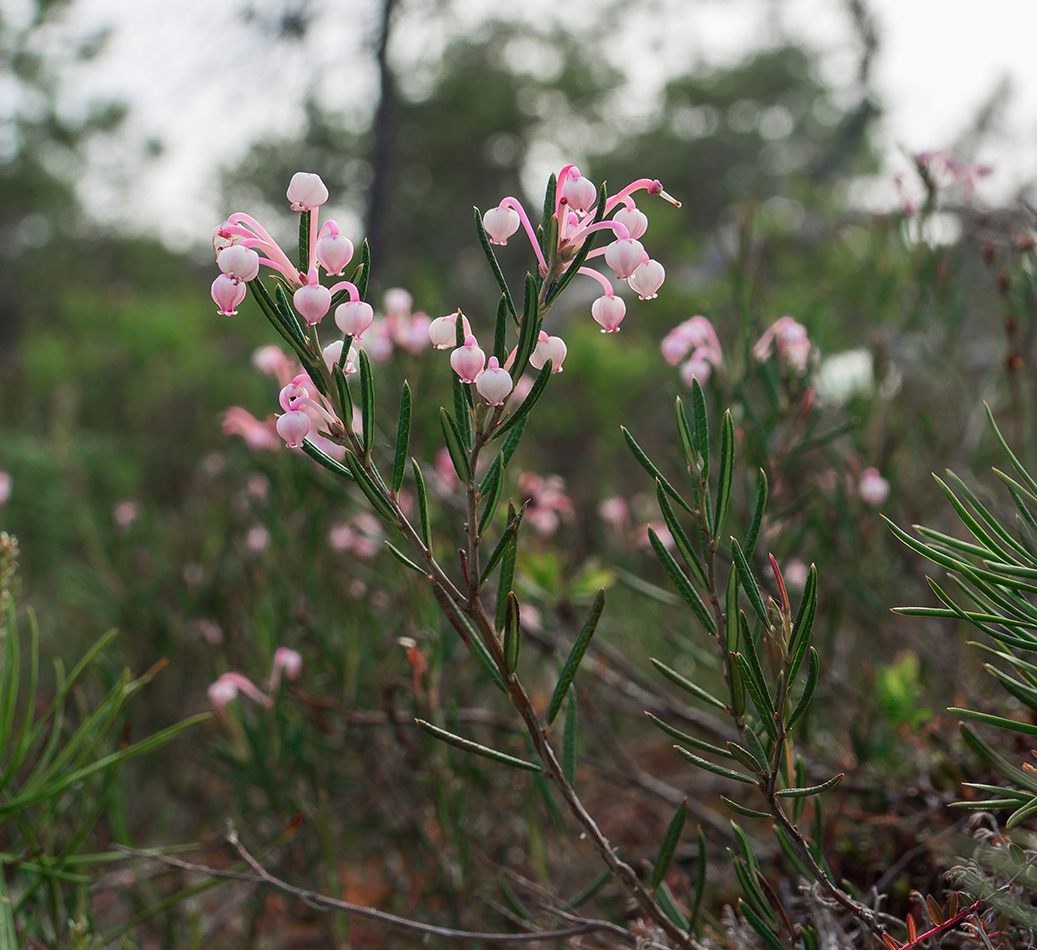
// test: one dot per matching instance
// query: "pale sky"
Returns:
(206, 85)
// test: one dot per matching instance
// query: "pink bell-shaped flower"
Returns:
(398, 301)
(354, 317)
(312, 301)
(873, 489)
(647, 279)
(306, 191)
(293, 427)
(239, 261)
(548, 348)
(636, 222)
(442, 332)
(287, 662)
(580, 193)
(334, 251)
(609, 313)
(468, 360)
(500, 224)
(624, 256)
(493, 383)
(228, 292)
(698, 367)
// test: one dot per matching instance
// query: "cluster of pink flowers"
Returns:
(548, 503)
(360, 536)
(576, 201)
(694, 341)
(287, 663)
(789, 340)
(939, 171)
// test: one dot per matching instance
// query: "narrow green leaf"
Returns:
(512, 633)
(1016, 464)
(366, 404)
(1026, 728)
(669, 844)
(753, 686)
(475, 748)
(455, 446)
(368, 487)
(529, 329)
(572, 663)
(748, 581)
(514, 437)
(965, 547)
(744, 757)
(757, 522)
(731, 609)
(700, 878)
(304, 242)
(512, 900)
(998, 532)
(500, 331)
(681, 582)
(648, 466)
(463, 411)
(747, 877)
(813, 789)
(550, 200)
(494, 484)
(768, 936)
(698, 403)
(270, 311)
(687, 436)
(363, 274)
(997, 762)
(532, 397)
(1027, 695)
(669, 905)
(714, 768)
(1020, 815)
(695, 743)
(498, 274)
(345, 400)
(406, 561)
(755, 669)
(588, 892)
(569, 739)
(470, 636)
(744, 810)
(290, 320)
(684, 683)
(514, 520)
(424, 528)
(970, 522)
(333, 466)
(680, 537)
(726, 476)
(551, 803)
(803, 624)
(402, 439)
(506, 581)
(813, 671)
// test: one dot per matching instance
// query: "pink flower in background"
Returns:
(225, 690)
(615, 512)
(5, 487)
(789, 340)
(258, 436)
(795, 574)
(125, 513)
(258, 538)
(287, 662)
(273, 361)
(447, 478)
(872, 488)
(946, 170)
(549, 505)
(695, 336)
(661, 531)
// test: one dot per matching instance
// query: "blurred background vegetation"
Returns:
(134, 511)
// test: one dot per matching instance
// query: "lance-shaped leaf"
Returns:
(1018, 817)
(649, 467)
(363, 271)
(490, 489)
(669, 844)
(532, 397)
(955, 544)
(714, 768)
(470, 636)
(506, 580)
(813, 670)
(811, 790)
(304, 242)
(570, 738)
(684, 683)
(757, 522)
(702, 867)
(769, 937)
(1013, 725)
(484, 241)
(322, 458)
(345, 401)
(744, 757)
(511, 443)
(424, 527)
(680, 537)
(550, 198)
(756, 682)
(726, 475)
(747, 877)
(681, 582)
(512, 633)
(701, 431)
(406, 561)
(463, 411)
(529, 330)
(1002, 537)
(572, 662)
(455, 446)
(514, 520)
(468, 746)
(366, 403)
(694, 742)
(1016, 464)
(588, 892)
(369, 488)
(402, 439)
(1027, 695)
(687, 437)
(512, 900)
(551, 803)
(748, 581)
(744, 810)
(970, 522)
(669, 906)
(500, 332)
(997, 762)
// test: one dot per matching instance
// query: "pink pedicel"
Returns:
(227, 293)
(225, 690)
(608, 312)
(306, 191)
(548, 348)
(333, 251)
(354, 317)
(624, 256)
(646, 280)
(500, 224)
(468, 360)
(493, 383)
(239, 262)
(312, 301)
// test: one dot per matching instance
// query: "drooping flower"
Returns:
(312, 301)
(293, 427)
(609, 311)
(227, 294)
(625, 256)
(493, 383)
(548, 348)
(354, 317)
(468, 360)
(789, 339)
(646, 280)
(442, 332)
(306, 191)
(500, 224)
(695, 336)
(872, 488)
(286, 661)
(333, 250)
(239, 262)
(225, 690)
